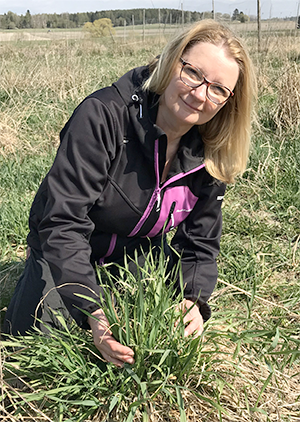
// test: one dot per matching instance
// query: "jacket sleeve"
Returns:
(197, 240)
(74, 183)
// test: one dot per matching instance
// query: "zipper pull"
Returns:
(172, 215)
(138, 100)
(158, 202)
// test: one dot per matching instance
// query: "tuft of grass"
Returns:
(226, 375)
(68, 374)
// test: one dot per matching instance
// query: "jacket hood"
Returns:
(143, 107)
(131, 83)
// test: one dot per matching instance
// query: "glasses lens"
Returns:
(190, 76)
(218, 93)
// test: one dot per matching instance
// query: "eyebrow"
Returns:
(185, 62)
(203, 74)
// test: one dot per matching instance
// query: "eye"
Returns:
(192, 73)
(219, 90)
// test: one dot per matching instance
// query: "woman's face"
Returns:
(185, 107)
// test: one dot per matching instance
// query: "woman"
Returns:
(154, 150)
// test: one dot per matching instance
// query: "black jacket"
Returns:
(103, 192)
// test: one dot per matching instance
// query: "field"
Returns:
(247, 365)
(136, 32)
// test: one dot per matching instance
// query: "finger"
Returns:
(195, 327)
(117, 359)
(186, 319)
(116, 349)
(181, 310)
(195, 332)
(119, 363)
(108, 346)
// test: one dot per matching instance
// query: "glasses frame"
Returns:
(205, 81)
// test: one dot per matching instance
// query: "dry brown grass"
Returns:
(278, 75)
(41, 84)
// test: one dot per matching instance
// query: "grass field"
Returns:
(246, 367)
(135, 33)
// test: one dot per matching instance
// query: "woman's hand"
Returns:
(192, 318)
(110, 349)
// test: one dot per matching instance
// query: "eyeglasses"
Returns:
(193, 77)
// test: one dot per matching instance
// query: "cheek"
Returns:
(213, 110)
(175, 88)
(170, 97)
(209, 114)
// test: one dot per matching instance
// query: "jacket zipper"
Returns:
(156, 196)
(171, 217)
(138, 100)
(110, 250)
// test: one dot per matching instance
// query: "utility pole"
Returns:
(213, 10)
(258, 25)
(182, 15)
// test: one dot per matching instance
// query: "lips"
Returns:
(189, 106)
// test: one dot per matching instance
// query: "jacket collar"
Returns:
(143, 109)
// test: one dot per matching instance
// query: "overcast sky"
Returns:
(269, 8)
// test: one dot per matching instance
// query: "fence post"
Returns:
(258, 25)
(159, 25)
(144, 25)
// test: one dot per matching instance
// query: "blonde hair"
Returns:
(226, 136)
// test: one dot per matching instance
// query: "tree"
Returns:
(99, 28)
(235, 15)
(242, 17)
(10, 20)
(28, 19)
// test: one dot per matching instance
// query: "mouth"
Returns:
(189, 106)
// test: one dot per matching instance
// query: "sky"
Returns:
(269, 8)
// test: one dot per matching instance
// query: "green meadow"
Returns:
(246, 366)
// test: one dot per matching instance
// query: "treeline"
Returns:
(11, 20)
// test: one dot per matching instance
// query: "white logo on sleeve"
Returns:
(219, 198)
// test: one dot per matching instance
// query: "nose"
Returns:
(200, 92)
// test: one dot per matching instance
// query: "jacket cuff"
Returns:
(205, 311)
(82, 319)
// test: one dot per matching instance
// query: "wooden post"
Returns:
(258, 25)
(182, 15)
(144, 23)
(159, 24)
(213, 10)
